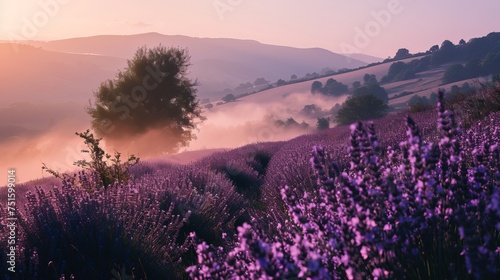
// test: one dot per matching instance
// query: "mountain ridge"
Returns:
(272, 62)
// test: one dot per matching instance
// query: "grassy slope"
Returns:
(423, 84)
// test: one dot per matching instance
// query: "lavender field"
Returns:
(402, 197)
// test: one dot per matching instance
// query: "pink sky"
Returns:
(376, 27)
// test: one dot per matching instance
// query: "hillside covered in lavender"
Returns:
(408, 196)
(249, 140)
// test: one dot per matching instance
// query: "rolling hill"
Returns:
(217, 63)
(46, 86)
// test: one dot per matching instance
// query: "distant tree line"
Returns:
(488, 65)
(367, 100)
(475, 52)
(359, 108)
(291, 123)
(400, 71)
(419, 103)
(478, 57)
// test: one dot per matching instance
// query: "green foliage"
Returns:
(323, 123)
(402, 53)
(335, 109)
(280, 82)
(334, 88)
(395, 69)
(420, 107)
(472, 105)
(481, 57)
(316, 87)
(372, 89)
(329, 72)
(310, 110)
(422, 103)
(400, 71)
(475, 49)
(109, 170)
(490, 64)
(152, 94)
(246, 85)
(260, 81)
(279, 123)
(229, 98)
(433, 49)
(291, 122)
(331, 88)
(419, 104)
(454, 73)
(417, 99)
(363, 107)
(370, 79)
(465, 88)
(446, 53)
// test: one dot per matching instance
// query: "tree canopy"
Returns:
(310, 109)
(229, 98)
(151, 94)
(323, 123)
(331, 88)
(316, 87)
(260, 81)
(370, 79)
(372, 89)
(402, 53)
(359, 108)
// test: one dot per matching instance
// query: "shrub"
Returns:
(358, 108)
(107, 170)
(472, 105)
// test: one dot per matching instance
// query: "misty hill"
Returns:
(31, 74)
(216, 63)
(445, 66)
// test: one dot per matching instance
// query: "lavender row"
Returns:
(427, 208)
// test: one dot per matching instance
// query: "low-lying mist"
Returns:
(58, 147)
(245, 121)
(227, 126)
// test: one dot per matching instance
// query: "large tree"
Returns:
(316, 87)
(372, 89)
(152, 95)
(334, 88)
(360, 108)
